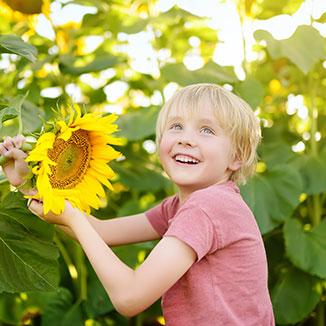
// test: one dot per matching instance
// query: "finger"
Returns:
(16, 154)
(33, 193)
(3, 150)
(19, 140)
(8, 143)
(36, 208)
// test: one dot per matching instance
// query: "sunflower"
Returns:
(22, 11)
(71, 164)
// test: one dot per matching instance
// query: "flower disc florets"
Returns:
(71, 164)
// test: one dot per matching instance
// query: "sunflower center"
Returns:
(72, 158)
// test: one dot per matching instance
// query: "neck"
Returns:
(184, 192)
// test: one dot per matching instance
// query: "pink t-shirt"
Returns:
(227, 285)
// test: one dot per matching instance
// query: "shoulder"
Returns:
(214, 195)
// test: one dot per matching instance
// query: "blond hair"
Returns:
(233, 114)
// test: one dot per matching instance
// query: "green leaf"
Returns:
(295, 296)
(14, 307)
(259, 196)
(270, 8)
(322, 18)
(30, 117)
(130, 207)
(98, 302)
(275, 153)
(314, 175)
(139, 177)
(306, 248)
(130, 254)
(295, 48)
(273, 196)
(7, 114)
(133, 25)
(68, 65)
(252, 91)
(210, 73)
(28, 259)
(15, 45)
(60, 310)
(287, 185)
(138, 125)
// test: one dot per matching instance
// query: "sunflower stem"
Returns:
(82, 271)
(66, 257)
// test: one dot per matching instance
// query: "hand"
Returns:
(67, 218)
(15, 169)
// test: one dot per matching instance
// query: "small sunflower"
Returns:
(71, 164)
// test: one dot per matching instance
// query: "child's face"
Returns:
(195, 152)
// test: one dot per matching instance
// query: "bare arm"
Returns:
(131, 291)
(131, 229)
(121, 230)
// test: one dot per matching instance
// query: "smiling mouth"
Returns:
(186, 159)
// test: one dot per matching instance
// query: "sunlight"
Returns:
(221, 16)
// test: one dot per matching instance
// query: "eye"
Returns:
(176, 126)
(207, 130)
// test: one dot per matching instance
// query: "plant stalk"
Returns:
(320, 318)
(82, 271)
(316, 214)
(66, 257)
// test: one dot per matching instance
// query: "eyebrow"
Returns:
(203, 120)
(174, 118)
(208, 122)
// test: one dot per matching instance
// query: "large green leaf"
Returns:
(68, 64)
(306, 248)
(269, 8)
(139, 177)
(314, 175)
(13, 109)
(273, 196)
(295, 48)
(14, 44)
(31, 117)
(28, 258)
(98, 303)
(252, 91)
(139, 124)
(61, 311)
(275, 153)
(210, 73)
(132, 25)
(15, 307)
(7, 114)
(287, 185)
(295, 296)
(259, 196)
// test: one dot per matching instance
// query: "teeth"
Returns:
(186, 159)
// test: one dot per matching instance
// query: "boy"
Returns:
(210, 264)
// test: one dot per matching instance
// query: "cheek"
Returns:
(165, 146)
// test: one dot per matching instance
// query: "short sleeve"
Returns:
(159, 215)
(192, 226)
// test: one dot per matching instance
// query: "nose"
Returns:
(186, 140)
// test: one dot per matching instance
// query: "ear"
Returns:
(235, 165)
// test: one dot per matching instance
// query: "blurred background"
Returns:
(129, 57)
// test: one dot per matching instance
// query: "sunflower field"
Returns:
(127, 58)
